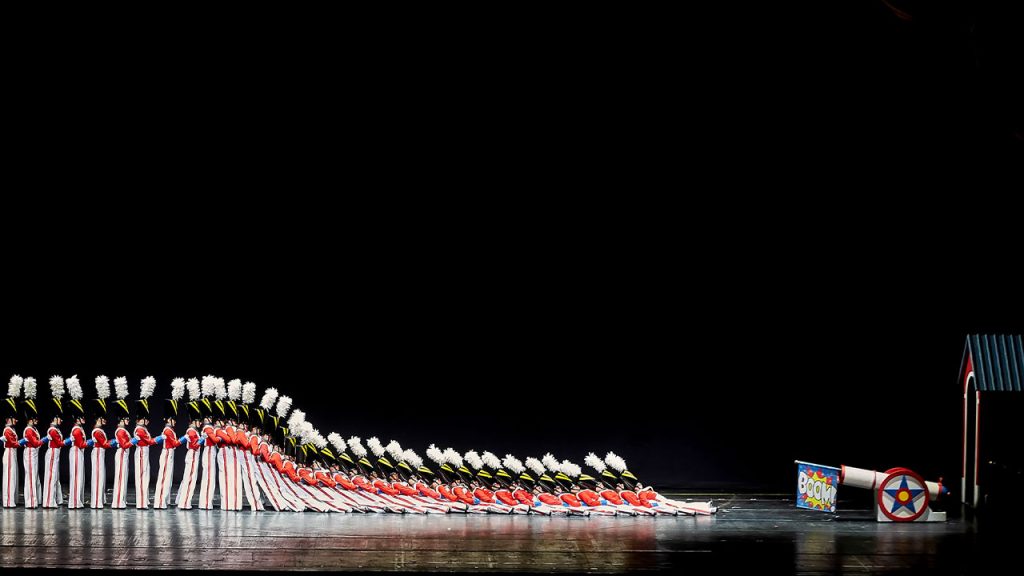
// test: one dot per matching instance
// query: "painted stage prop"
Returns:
(901, 495)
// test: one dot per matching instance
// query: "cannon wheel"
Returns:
(903, 495)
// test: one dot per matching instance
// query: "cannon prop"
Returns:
(901, 495)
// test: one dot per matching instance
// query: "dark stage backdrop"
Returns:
(693, 395)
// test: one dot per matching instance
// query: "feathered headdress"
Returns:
(177, 389)
(595, 462)
(513, 464)
(412, 458)
(102, 387)
(248, 392)
(14, 386)
(453, 458)
(337, 441)
(269, 397)
(616, 462)
(569, 469)
(193, 388)
(284, 403)
(219, 389)
(30, 388)
(435, 454)
(235, 389)
(57, 386)
(318, 440)
(490, 460)
(375, 446)
(535, 465)
(148, 385)
(474, 459)
(395, 450)
(297, 417)
(356, 446)
(121, 387)
(74, 387)
(209, 386)
(551, 463)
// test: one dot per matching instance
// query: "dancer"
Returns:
(11, 442)
(52, 493)
(168, 440)
(78, 442)
(123, 443)
(31, 442)
(193, 443)
(99, 443)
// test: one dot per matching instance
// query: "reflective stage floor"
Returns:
(767, 535)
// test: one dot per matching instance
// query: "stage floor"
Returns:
(768, 535)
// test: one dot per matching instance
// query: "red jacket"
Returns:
(277, 461)
(211, 435)
(307, 476)
(99, 439)
(265, 452)
(524, 497)
(589, 497)
(56, 438)
(289, 471)
(506, 497)
(405, 489)
(11, 438)
(144, 438)
(427, 491)
(224, 437)
(632, 498)
(33, 438)
(549, 499)
(463, 494)
(254, 444)
(124, 440)
(648, 494)
(484, 495)
(324, 477)
(446, 492)
(571, 499)
(241, 440)
(193, 439)
(78, 438)
(385, 487)
(612, 497)
(170, 438)
(363, 484)
(345, 483)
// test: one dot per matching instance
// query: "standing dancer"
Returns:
(78, 441)
(169, 440)
(142, 442)
(193, 443)
(31, 442)
(99, 443)
(11, 442)
(209, 441)
(250, 484)
(52, 496)
(123, 443)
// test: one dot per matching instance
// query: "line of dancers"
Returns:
(267, 456)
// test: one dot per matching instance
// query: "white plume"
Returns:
(594, 462)
(56, 386)
(492, 461)
(318, 440)
(269, 397)
(219, 389)
(74, 387)
(30, 387)
(304, 430)
(513, 464)
(452, 457)
(209, 385)
(412, 459)
(248, 393)
(375, 446)
(356, 446)
(535, 465)
(284, 403)
(615, 461)
(551, 463)
(337, 441)
(395, 450)
(569, 469)
(121, 387)
(474, 459)
(435, 454)
(14, 386)
(102, 387)
(177, 388)
(193, 388)
(297, 417)
(235, 389)
(148, 385)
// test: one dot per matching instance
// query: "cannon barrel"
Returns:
(872, 480)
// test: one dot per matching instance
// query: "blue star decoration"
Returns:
(903, 496)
